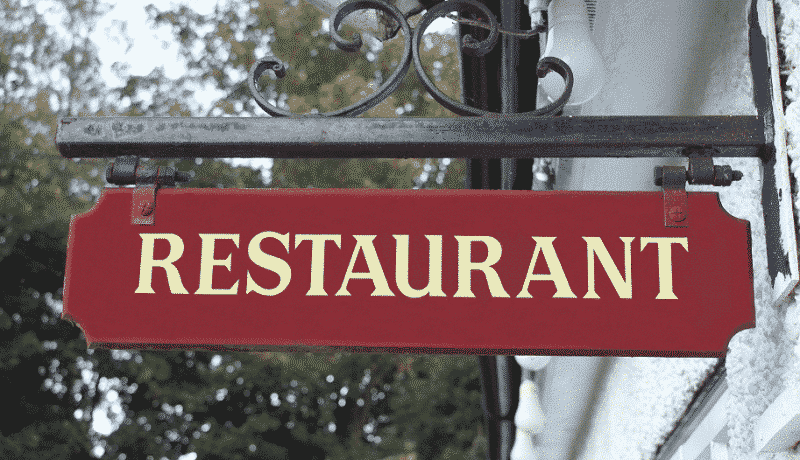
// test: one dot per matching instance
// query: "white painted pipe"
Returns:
(533, 363)
(523, 447)
(530, 418)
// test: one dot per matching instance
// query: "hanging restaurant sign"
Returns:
(578, 273)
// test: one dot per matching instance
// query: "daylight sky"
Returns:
(125, 35)
(149, 47)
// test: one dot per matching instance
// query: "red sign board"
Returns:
(489, 272)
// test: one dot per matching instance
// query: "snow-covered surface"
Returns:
(642, 398)
(778, 429)
(713, 425)
(639, 404)
(761, 362)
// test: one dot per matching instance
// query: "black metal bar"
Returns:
(509, 83)
(480, 74)
(485, 176)
(490, 403)
(499, 90)
(500, 379)
(500, 374)
(759, 67)
(528, 55)
(777, 258)
(465, 137)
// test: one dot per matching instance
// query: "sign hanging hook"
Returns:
(126, 170)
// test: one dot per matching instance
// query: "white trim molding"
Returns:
(709, 438)
(778, 428)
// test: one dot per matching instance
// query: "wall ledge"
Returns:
(778, 428)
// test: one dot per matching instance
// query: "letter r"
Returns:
(147, 263)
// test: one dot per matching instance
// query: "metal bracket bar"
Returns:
(143, 204)
(126, 170)
(702, 171)
(676, 203)
(504, 136)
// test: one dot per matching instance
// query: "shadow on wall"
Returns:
(662, 58)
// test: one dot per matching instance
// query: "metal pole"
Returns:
(500, 374)
(509, 84)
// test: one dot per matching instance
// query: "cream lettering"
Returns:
(665, 263)
(624, 286)
(208, 262)
(434, 287)
(446, 271)
(375, 273)
(317, 259)
(466, 266)
(147, 263)
(269, 262)
(545, 246)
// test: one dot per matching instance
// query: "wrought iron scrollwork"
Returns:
(523, 34)
(412, 40)
(475, 48)
(470, 45)
(387, 88)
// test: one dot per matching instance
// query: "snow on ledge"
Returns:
(778, 429)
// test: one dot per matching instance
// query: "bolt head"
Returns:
(658, 176)
(148, 208)
(677, 214)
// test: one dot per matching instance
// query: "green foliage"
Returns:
(221, 48)
(218, 404)
(342, 173)
(436, 407)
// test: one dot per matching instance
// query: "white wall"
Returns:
(678, 57)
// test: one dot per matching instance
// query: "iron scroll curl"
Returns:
(476, 48)
(386, 89)
(412, 40)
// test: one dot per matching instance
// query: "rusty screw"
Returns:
(148, 208)
(676, 214)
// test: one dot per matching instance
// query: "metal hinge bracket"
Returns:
(126, 170)
(676, 203)
(702, 171)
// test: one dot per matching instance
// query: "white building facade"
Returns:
(688, 58)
